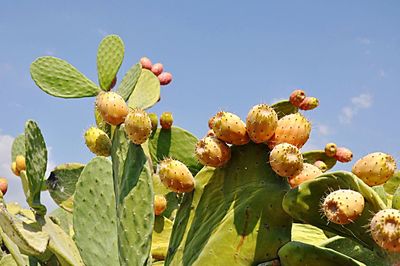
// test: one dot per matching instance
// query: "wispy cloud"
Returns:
(362, 101)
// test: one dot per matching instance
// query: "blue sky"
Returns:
(223, 56)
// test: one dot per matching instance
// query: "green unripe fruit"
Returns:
(385, 229)
(166, 120)
(138, 126)
(176, 176)
(286, 160)
(154, 121)
(261, 123)
(98, 141)
(212, 152)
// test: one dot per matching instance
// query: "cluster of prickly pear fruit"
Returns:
(146, 198)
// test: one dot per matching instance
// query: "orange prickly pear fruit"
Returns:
(309, 172)
(375, 168)
(157, 69)
(385, 229)
(111, 107)
(212, 152)
(210, 133)
(286, 160)
(160, 204)
(166, 120)
(330, 149)
(137, 126)
(20, 163)
(146, 63)
(309, 103)
(165, 78)
(230, 128)
(261, 123)
(296, 97)
(176, 176)
(343, 155)
(343, 206)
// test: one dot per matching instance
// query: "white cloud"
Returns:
(362, 101)
(323, 130)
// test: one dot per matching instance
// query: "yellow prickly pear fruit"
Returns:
(138, 126)
(20, 163)
(176, 176)
(261, 123)
(385, 229)
(375, 168)
(160, 204)
(14, 169)
(111, 107)
(309, 172)
(166, 120)
(212, 152)
(321, 166)
(230, 128)
(294, 129)
(343, 155)
(154, 121)
(343, 206)
(286, 160)
(330, 149)
(98, 141)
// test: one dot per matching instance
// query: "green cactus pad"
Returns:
(109, 58)
(354, 250)
(62, 245)
(393, 183)
(396, 199)
(129, 81)
(283, 108)
(36, 164)
(161, 235)
(176, 143)
(94, 218)
(303, 203)
(381, 193)
(18, 147)
(25, 184)
(312, 156)
(13, 249)
(60, 79)
(307, 233)
(241, 204)
(297, 253)
(64, 219)
(9, 260)
(61, 183)
(146, 92)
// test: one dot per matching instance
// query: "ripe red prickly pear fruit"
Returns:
(294, 129)
(3, 185)
(296, 97)
(111, 107)
(261, 123)
(137, 126)
(230, 128)
(309, 172)
(98, 141)
(166, 120)
(20, 163)
(212, 152)
(385, 229)
(343, 155)
(154, 121)
(321, 166)
(330, 149)
(309, 103)
(176, 176)
(343, 206)
(146, 63)
(375, 168)
(286, 160)
(157, 69)
(165, 78)
(14, 169)
(160, 204)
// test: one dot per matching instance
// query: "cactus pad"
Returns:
(18, 147)
(146, 92)
(283, 108)
(312, 156)
(129, 81)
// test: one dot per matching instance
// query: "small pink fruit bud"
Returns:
(146, 63)
(343, 155)
(3, 185)
(165, 78)
(296, 97)
(157, 69)
(309, 103)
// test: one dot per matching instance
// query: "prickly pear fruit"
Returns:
(166, 120)
(138, 126)
(14, 169)
(20, 163)
(111, 107)
(157, 69)
(230, 128)
(330, 149)
(3, 185)
(385, 229)
(98, 141)
(212, 152)
(146, 63)
(294, 129)
(375, 168)
(210, 133)
(165, 78)
(154, 121)
(309, 103)
(321, 166)
(160, 204)
(343, 155)
(309, 172)
(213, 118)
(261, 123)
(343, 206)
(296, 97)
(176, 176)
(286, 160)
